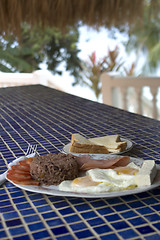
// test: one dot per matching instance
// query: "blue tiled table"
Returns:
(47, 117)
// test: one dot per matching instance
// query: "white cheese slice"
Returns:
(146, 174)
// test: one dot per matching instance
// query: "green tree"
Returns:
(144, 38)
(40, 45)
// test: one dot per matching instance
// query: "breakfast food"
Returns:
(106, 180)
(20, 173)
(83, 174)
(80, 144)
(87, 162)
(103, 145)
(52, 169)
(112, 142)
(146, 174)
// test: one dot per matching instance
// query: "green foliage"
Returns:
(93, 69)
(40, 45)
(144, 38)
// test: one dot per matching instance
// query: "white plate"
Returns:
(53, 190)
(128, 148)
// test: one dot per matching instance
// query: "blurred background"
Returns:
(68, 44)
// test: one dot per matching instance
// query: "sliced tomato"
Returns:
(18, 177)
(25, 168)
(23, 162)
(29, 160)
(27, 182)
(18, 171)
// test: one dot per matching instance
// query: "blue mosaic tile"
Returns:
(67, 236)
(102, 229)
(60, 204)
(13, 222)
(137, 221)
(89, 214)
(82, 207)
(96, 221)
(152, 217)
(24, 237)
(6, 209)
(72, 218)
(136, 204)
(157, 225)
(105, 210)
(41, 235)
(78, 226)
(144, 210)
(54, 222)
(17, 230)
(156, 207)
(152, 237)
(121, 207)
(129, 214)
(27, 212)
(145, 229)
(110, 237)
(23, 205)
(44, 209)
(83, 234)
(36, 226)
(128, 234)
(59, 230)
(49, 215)
(10, 215)
(32, 218)
(34, 196)
(123, 214)
(120, 225)
(39, 202)
(67, 210)
(3, 234)
(112, 217)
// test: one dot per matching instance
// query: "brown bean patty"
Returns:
(53, 168)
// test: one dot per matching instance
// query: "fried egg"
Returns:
(103, 180)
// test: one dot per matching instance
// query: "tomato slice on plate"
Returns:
(25, 168)
(27, 182)
(29, 160)
(18, 171)
(18, 177)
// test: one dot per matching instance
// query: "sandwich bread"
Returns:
(80, 144)
(106, 144)
(112, 142)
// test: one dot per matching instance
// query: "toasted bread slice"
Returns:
(89, 149)
(80, 144)
(77, 140)
(110, 141)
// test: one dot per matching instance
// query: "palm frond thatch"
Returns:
(61, 13)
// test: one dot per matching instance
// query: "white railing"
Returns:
(128, 93)
(43, 77)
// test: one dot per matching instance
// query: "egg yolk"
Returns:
(126, 170)
(84, 182)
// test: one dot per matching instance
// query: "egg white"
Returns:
(108, 180)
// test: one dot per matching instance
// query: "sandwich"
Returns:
(80, 144)
(105, 144)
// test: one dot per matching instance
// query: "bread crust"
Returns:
(88, 149)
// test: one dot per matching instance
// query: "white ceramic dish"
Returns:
(53, 190)
(128, 148)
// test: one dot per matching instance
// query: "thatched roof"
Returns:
(60, 13)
